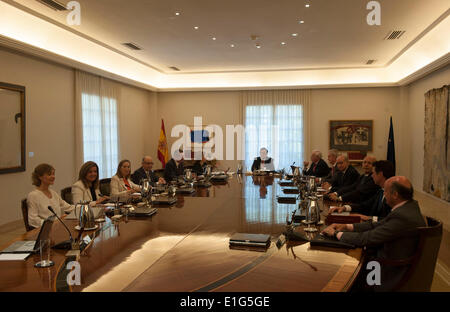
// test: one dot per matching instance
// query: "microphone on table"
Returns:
(65, 244)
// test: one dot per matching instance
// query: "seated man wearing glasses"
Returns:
(146, 172)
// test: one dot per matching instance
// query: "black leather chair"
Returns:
(105, 187)
(66, 194)
(419, 276)
(28, 227)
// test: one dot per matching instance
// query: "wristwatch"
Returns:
(335, 234)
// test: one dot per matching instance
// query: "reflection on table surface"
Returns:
(184, 247)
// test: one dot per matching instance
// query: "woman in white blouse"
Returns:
(87, 188)
(38, 200)
(121, 184)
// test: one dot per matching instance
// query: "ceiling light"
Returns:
(195, 27)
(294, 35)
(177, 13)
(283, 43)
(258, 46)
(214, 38)
(232, 45)
(301, 22)
(307, 5)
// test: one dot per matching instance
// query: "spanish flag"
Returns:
(163, 152)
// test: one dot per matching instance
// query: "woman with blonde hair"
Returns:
(121, 183)
(42, 197)
(87, 187)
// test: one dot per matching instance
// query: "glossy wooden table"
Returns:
(185, 248)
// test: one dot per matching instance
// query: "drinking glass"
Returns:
(44, 254)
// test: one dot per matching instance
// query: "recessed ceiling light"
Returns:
(232, 45)
(294, 35)
(307, 5)
(214, 38)
(301, 22)
(283, 43)
(258, 46)
(177, 13)
(195, 27)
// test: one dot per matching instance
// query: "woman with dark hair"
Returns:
(87, 187)
(38, 200)
(121, 183)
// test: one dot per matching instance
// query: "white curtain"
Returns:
(277, 120)
(97, 123)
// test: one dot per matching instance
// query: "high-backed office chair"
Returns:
(105, 188)
(422, 264)
(28, 227)
(66, 194)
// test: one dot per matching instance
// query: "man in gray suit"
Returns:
(395, 237)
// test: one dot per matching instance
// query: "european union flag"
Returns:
(390, 147)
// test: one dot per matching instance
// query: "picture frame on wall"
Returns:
(351, 135)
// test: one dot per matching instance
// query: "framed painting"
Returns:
(351, 135)
(12, 128)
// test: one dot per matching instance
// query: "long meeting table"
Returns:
(185, 247)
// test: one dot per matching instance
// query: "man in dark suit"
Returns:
(363, 189)
(346, 176)
(146, 172)
(318, 168)
(174, 168)
(393, 238)
(263, 162)
(376, 206)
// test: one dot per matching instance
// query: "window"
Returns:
(279, 128)
(100, 132)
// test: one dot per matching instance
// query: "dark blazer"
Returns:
(139, 174)
(321, 170)
(257, 163)
(374, 206)
(342, 179)
(333, 171)
(395, 237)
(171, 172)
(363, 189)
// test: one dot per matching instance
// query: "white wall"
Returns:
(223, 108)
(50, 125)
(375, 104)
(220, 108)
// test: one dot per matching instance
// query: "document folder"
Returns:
(254, 240)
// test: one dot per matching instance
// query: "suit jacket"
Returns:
(363, 189)
(374, 206)
(395, 237)
(118, 186)
(342, 179)
(82, 193)
(171, 172)
(330, 175)
(321, 170)
(140, 174)
(268, 164)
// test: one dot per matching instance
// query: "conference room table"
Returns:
(185, 247)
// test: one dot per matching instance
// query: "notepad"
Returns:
(13, 257)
